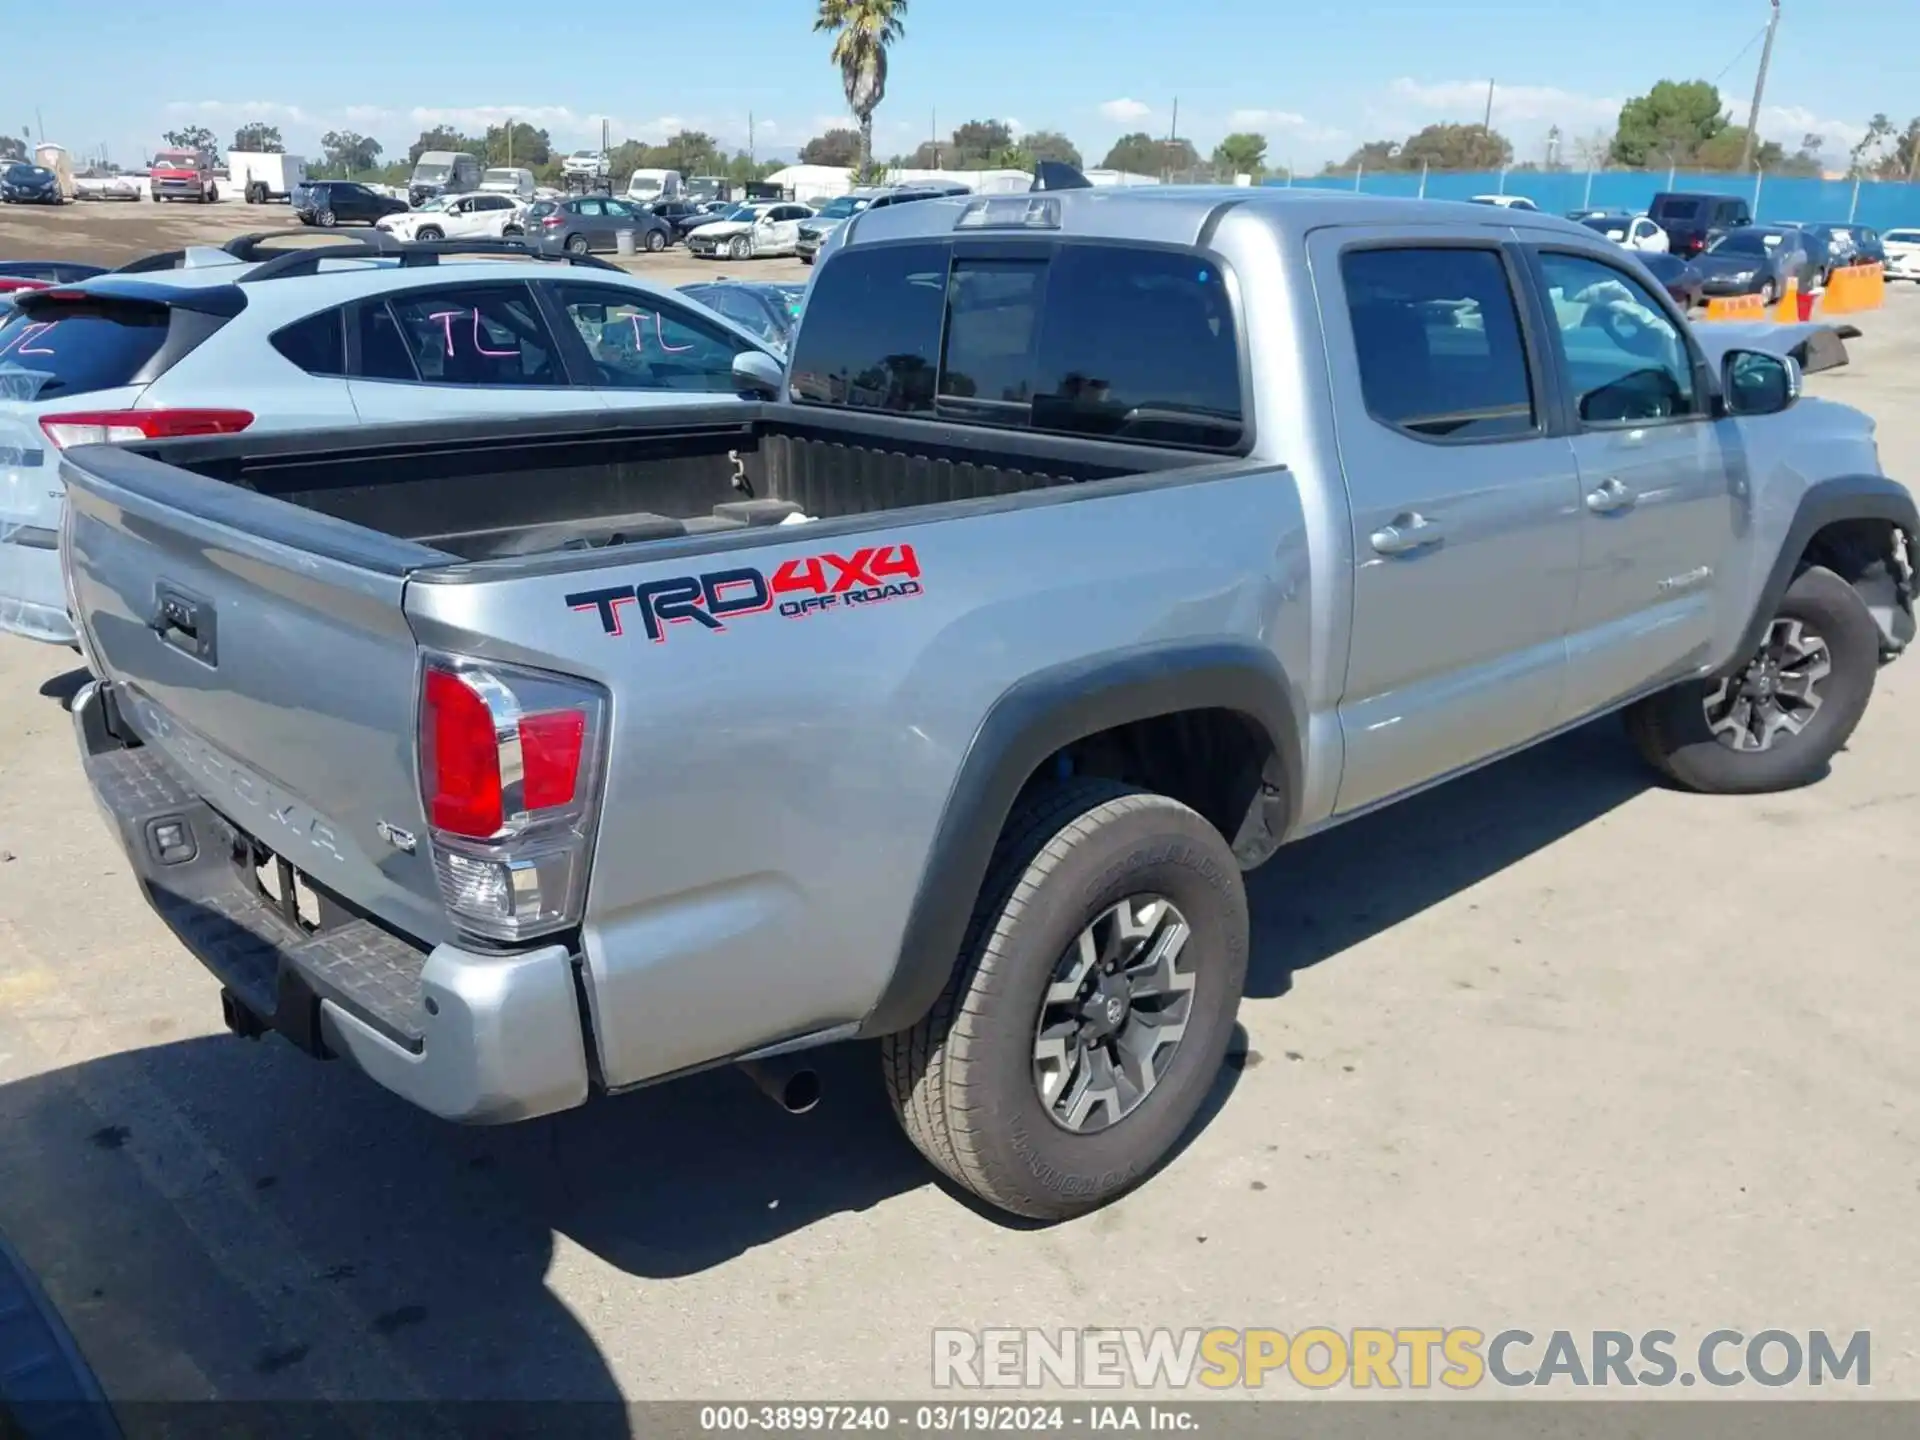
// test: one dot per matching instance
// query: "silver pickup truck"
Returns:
(1094, 546)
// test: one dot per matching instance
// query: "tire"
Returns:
(1674, 735)
(326, 220)
(212, 195)
(1767, 293)
(656, 242)
(429, 232)
(577, 245)
(739, 248)
(257, 195)
(965, 1081)
(806, 259)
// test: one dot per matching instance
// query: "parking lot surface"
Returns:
(1549, 1047)
(113, 232)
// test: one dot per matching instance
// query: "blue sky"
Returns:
(392, 67)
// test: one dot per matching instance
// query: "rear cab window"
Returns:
(1047, 338)
(49, 352)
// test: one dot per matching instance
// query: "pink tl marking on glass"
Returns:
(639, 330)
(497, 354)
(661, 336)
(446, 319)
(36, 332)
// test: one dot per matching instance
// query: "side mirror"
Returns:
(1757, 383)
(757, 373)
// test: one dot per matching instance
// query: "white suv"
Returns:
(479, 216)
(1903, 253)
(591, 164)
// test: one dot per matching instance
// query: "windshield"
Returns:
(432, 202)
(1901, 237)
(175, 160)
(431, 172)
(1744, 242)
(500, 177)
(743, 212)
(1604, 223)
(18, 171)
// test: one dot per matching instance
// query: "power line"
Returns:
(1743, 52)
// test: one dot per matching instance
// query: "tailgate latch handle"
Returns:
(184, 621)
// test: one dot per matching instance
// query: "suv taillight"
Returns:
(112, 427)
(553, 221)
(510, 763)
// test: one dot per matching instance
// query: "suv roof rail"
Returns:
(277, 262)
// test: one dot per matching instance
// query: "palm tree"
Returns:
(862, 30)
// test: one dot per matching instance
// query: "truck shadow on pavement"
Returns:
(1326, 894)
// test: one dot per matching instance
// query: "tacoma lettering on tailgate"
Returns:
(811, 586)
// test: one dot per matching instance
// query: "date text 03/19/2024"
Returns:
(812, 585)
(947, 1419)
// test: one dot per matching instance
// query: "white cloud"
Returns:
(1466, 100)
(1262, 120)
(1016, 128)
(1123, 111)
(1789, 124)
(242, 111)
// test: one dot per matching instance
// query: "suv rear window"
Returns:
(1676, 209)
(73, 348)
(1050, 343)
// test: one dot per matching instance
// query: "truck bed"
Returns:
(508, 489)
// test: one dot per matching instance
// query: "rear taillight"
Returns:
(509, 779)
(553, 222)
(111, 427)
(11, 283)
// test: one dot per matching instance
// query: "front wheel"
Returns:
(577, 245)
(326, 220)
(429, 232)
(1090, 1008)
(740, 249)
(512, 232)
(1767, 293)
(1776, 722)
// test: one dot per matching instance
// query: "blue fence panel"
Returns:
(1882, 204)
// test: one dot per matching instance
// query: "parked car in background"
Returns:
(1758, 260)
(1680, 277)
(679, 216)
(459, 217)
(1902, 249)
(829, 217)
(645, 185)
(183, 175)
(509, 180)
(1635, 232)
(1849, 245)
(585, 224)
(1505, 202)
(94, 184)
(1694, 220)
(749, 231)
(443, 172)
(321, 335)
(262, 176)
(36, 274)
(588, 164)
(327, 203)
(767, 308)
(25, 184)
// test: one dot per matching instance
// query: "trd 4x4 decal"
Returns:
(814, 585)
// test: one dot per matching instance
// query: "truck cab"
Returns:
(179, 174)
(443, 172)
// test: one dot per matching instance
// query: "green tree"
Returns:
(1866, 155)
(193, 137)
(530, 149)
(692, 152)
(1373, 156)
(1904, 161)
(839, 147)
(862, 31)
(258, 139)
(12, 149)
(1052, 145)
(1456, 147)
(1141, 154)
(1724, 152)
(345, 152)
(1668, 124)
(1242, 153)
(443, 138)
(977, 143)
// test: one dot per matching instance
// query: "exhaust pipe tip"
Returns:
(795, 1088)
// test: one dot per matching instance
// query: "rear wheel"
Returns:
(1774, 723)
(1090, 1008)
(325, 220)
(511, 232)
(577, 245)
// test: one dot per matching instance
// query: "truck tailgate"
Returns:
(263, 649)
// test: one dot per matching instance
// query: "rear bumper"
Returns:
(469, 1036)
(33, 601)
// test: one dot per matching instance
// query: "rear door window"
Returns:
(51, 351)
(1122, 342)
(474, 335)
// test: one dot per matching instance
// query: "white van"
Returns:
(443, 172)
(509, 180)
(645, 185)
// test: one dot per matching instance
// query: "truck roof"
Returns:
(1178, 214)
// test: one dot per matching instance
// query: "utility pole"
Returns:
(39, 125)
(750, 151)
(509, 142)
(1487, 124)
(1173, 133)
(933, 135)
(1760, 88)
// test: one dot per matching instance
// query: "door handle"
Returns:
(1409, 532)
(1611, 496)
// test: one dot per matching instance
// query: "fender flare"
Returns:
(1036, 717)
(1844, 497)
